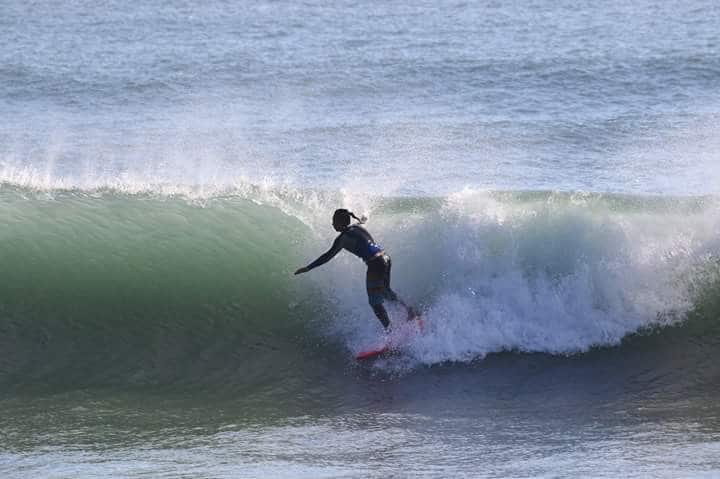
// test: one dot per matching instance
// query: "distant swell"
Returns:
(109, 287)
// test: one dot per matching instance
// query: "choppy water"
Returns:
(544, 174)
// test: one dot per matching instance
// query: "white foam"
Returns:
(556, 274)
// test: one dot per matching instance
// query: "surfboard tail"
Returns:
(371, 353)
(395, 341)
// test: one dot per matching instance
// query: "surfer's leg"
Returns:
(391, 295)
(382, 315)
(386, 281)
(374, 282)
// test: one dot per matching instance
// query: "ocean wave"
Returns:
(107, 285)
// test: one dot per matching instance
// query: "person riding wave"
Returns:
(358, 241)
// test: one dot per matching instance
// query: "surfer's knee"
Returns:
(391, 295)
(376, 296)
(381, 314)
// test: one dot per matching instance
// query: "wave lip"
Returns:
(110, 286)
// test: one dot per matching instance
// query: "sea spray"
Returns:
(136, 286)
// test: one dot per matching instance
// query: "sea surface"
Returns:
(544, 174)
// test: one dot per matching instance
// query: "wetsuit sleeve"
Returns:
(330, 254)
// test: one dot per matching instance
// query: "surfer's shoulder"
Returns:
(356, 227)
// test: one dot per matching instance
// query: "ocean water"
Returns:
(545, 175)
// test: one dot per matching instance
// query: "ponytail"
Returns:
(342, 216)
(361, 220)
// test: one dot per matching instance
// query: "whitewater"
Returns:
(544, 176)
(97, 271)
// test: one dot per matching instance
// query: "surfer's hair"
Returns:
(342, 217)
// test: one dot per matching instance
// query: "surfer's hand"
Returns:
(302, 270)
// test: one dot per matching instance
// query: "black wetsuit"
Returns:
(358, 241)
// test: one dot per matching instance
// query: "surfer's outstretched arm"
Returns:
(324, 258)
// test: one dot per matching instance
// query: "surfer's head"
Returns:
(341, 219)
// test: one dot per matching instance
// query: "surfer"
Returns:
(358, 241)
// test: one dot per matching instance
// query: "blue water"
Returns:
(415, 98)
(545, 174)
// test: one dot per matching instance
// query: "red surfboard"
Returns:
(372, 353)
(393, 342)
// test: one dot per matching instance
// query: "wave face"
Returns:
(108, 287)
(113, 287)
